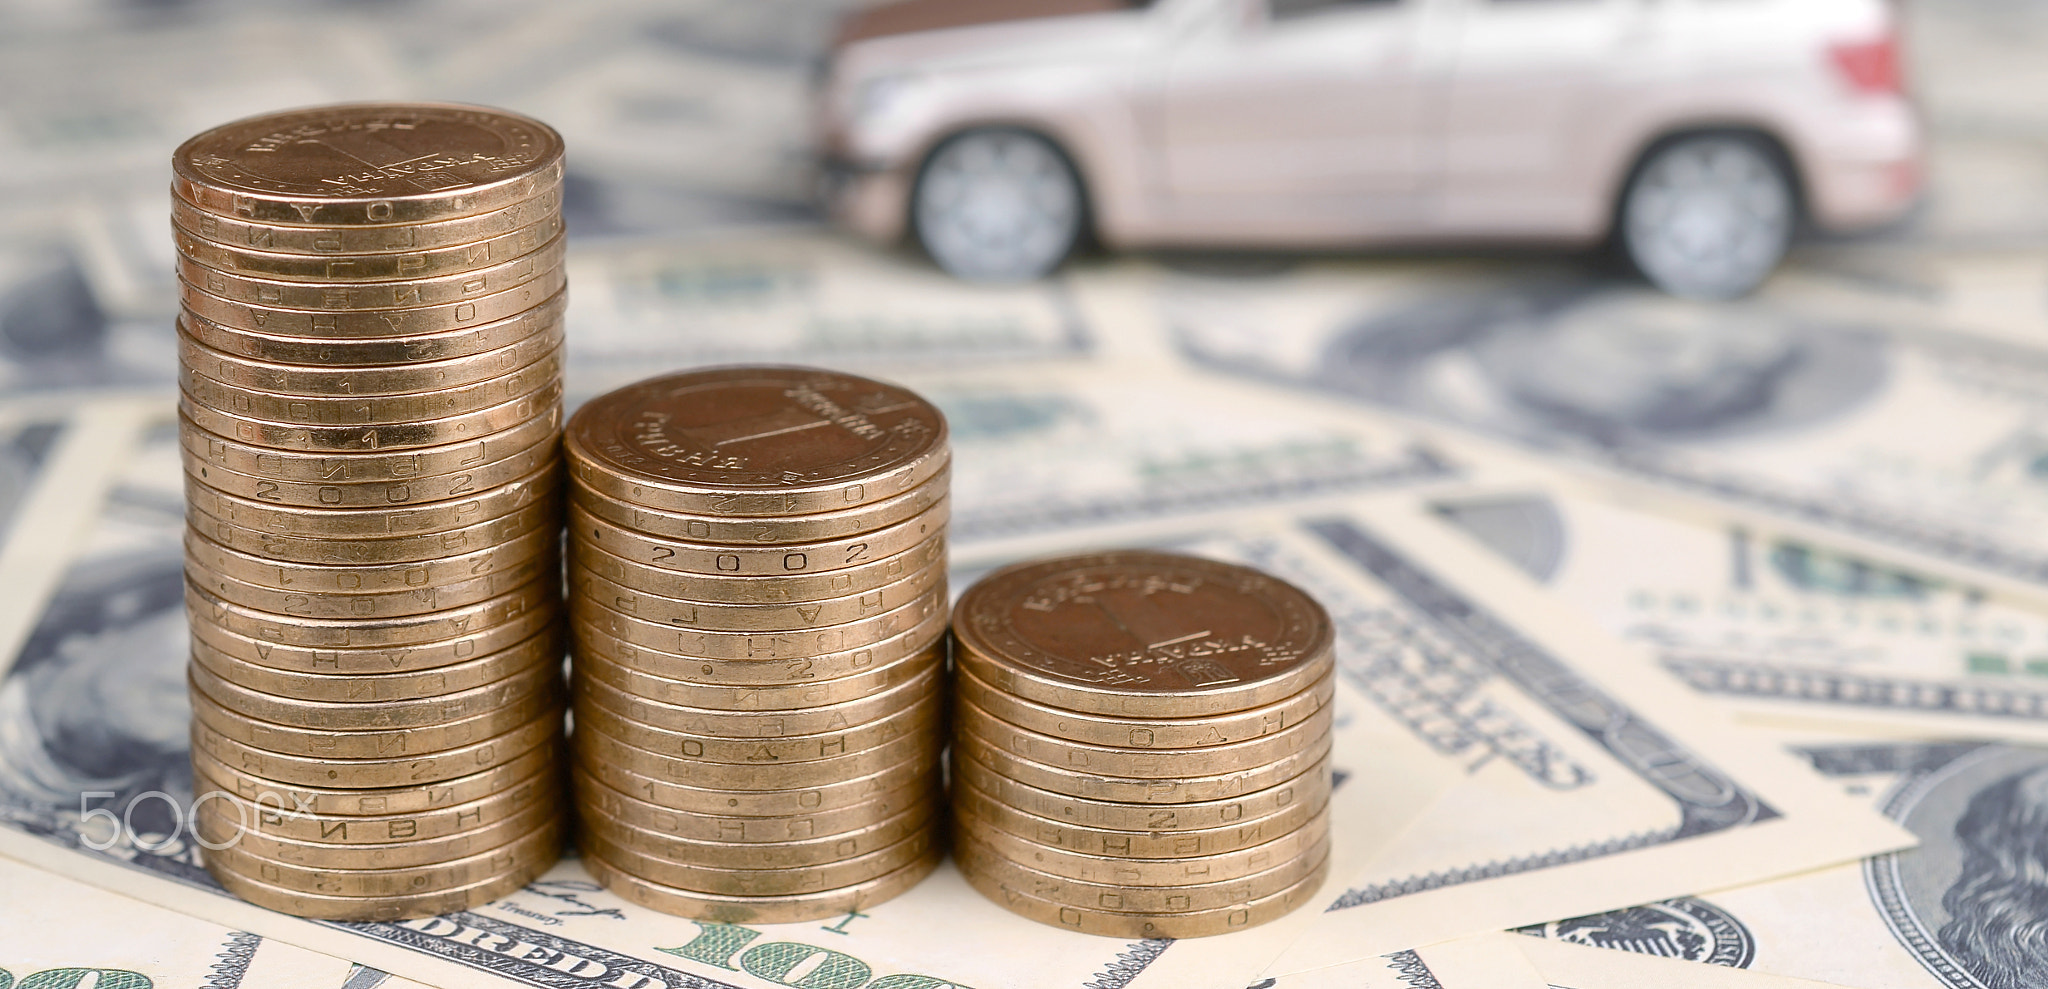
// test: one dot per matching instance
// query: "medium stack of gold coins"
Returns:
(371, 347)
(758, 598)
(1142, 743)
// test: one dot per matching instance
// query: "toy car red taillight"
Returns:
(1870, 66)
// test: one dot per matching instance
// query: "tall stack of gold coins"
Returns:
(758, 598)
(371, 344)
(1142, 743)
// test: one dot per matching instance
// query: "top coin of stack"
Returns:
(370, 376)
(758, 599)
(1142, 747)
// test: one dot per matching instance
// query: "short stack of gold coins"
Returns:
(370, 410)
(758, 598)
(1142, 743)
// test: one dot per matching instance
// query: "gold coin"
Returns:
(378, 605)
(1124, 763)
(924, 689)
(762, 909)
(377, 774)
(369, 743)
(756, 441)
(390, 238)
(596, 746)
(373, 496)
(761, 646)
(753, 590)
(464, 340)
(356, 164)
(391, 295)
(1137, 633)
(973, 856)
(280, 819)
(369, 410)
(459, 258)
(917, 812)
(1147, 733)
(1201, 923)
(1186, 789)
(222, 830)
(763, 803)
(609, 809)
(655, 607)
(682, 693)
(757, 752)
(370, 439)
(1120, 871)
(203, 449)
(766, 531)
(219, 824)
(380, 716)
(764, 882)
(757, 763)
(1312, 787)
(433, 375)
(419, 799)
(971, 802)
(335, 578)
(484, 504)
(591, 640)
(321, 906)
(757, 561)
(296, 643)
(367, 552)
(378, 324)
(545, 648)
(543, 843)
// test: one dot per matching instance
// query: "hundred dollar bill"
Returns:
(798, 296)
(61, 934)
(1921, 445)
(1478, 962)
(1784, 628)
(1614, 777)
(1961, 911)
(1114, 452)
(1488, 961)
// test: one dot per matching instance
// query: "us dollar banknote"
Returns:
(1961, 911)
(1615, 779)
(1488, 961)
(1784, 628)
(1922, 445)
(800, 296)
(62, 934)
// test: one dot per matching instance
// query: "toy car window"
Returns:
(1281, 10)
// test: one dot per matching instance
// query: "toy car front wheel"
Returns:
(997, 205)
(1708, 216)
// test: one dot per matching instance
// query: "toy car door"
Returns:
(1297, 120)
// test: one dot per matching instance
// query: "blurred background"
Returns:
(695, 180)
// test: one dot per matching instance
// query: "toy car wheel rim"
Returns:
(1709, 217)
(998, 206)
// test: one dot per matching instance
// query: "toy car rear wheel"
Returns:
(997, 205)
(1709, 216)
